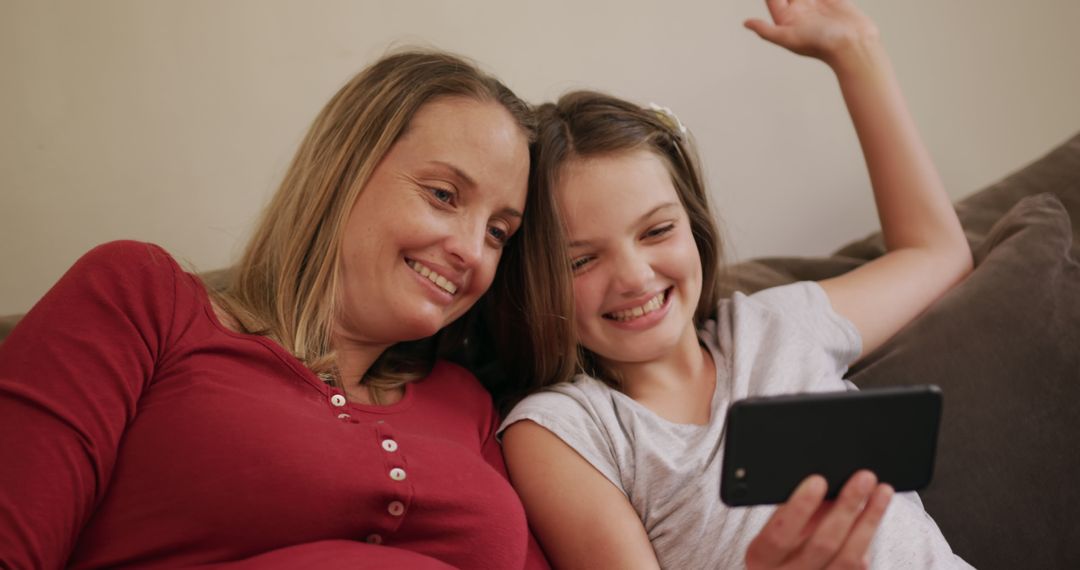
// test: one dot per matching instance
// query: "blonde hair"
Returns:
(286, 285)
(584, 124)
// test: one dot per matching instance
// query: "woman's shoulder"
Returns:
(129, 271)
(138, 279)
(127, 256)
(456, 376)
(451, 382)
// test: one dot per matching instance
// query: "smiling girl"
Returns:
(620, 468)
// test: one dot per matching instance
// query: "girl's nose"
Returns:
(633, 273)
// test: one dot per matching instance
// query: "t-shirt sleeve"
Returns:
(568, 413)
(806, 307)
(71, 374)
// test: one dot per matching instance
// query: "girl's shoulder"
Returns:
(582, 402)
(803, 304)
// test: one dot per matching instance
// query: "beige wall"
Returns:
(172, 121)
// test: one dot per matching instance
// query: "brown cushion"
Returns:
(1057, 172)
(7, 323)
(1004, 346)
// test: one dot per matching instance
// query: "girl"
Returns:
(620, 468)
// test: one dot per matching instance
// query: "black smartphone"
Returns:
(774, 442)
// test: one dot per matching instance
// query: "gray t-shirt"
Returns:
(781, 340)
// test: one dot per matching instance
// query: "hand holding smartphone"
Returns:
(773, 443)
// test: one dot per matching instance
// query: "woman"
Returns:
(299, 417)
(621, 467)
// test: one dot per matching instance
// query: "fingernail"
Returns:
(815, 484)
(866, 481)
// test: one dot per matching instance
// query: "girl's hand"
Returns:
(823, 29)
(809, 532)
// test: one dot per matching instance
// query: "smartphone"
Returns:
(773, 443)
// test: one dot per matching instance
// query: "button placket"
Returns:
(398, 477)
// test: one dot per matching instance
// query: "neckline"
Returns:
(294, 364)
(717, 363)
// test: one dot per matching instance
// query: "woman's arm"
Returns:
(927, 251)
(581, 519)
(71, 375)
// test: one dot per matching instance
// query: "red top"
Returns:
(136, 430)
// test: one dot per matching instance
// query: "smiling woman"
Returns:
(300, 417)
(421, 245)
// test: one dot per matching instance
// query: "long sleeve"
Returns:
(71, 375)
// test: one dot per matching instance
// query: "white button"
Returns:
(343, 416)
(374, 539)
(389, 445)
(337, 400)
(396, 508)
(397, 474)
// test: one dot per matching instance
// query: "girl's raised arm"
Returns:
(927, 252)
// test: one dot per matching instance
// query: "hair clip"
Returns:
(669, 118)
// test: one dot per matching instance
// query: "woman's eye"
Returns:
(441, 194)
(656, 232)
(500, 235)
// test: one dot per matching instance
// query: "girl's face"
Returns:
(423, 240)
(637, 272)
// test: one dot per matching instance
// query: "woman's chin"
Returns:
(419, 330)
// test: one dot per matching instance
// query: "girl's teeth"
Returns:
(650, 306)
(435, 278)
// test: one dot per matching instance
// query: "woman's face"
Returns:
(423, 240)
(637, 272)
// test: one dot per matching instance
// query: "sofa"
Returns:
(1004, 347)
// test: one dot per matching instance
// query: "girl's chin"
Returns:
(643, 347)
(633, 354)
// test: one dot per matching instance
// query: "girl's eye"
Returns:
(657, 232)
(580, 262)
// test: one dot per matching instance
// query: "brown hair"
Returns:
(286, 285)
(584, 124)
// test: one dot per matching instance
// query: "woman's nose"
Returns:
(467, 243)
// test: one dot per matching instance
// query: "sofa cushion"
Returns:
(1004, 346)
